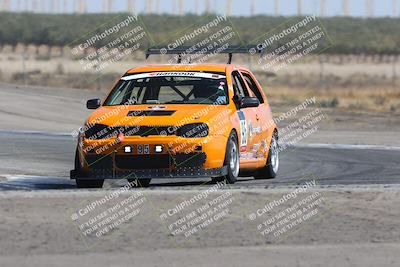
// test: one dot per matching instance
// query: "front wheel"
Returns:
(271, 167)
(231, 160)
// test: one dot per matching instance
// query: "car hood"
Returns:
(161, 115)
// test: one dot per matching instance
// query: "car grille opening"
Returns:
(143, 162)
(160, 161)
(99, 161)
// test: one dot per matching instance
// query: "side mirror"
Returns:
(93, 103)
(237, 99)
(249, 102)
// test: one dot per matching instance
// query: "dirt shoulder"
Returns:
(366, 255)
(352, 227)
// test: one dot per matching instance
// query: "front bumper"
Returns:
(181, 158)
(120, 166)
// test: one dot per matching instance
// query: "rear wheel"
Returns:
(82, 182)
(231, 160)
(271, 167)
(140, 182)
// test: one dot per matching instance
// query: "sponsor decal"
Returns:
(247, 155)
(157, 107)
(250, 132)
(173, 74)
(256, 150)
(256, 130)
(264, 145)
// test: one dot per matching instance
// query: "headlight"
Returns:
(194, 130)
(99, 131)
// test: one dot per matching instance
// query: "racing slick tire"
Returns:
(82, 182)
(270, 169)
(140, 182)
(231, 160)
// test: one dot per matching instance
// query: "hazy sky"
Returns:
(239, 7)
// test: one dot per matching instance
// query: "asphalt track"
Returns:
(36, 161)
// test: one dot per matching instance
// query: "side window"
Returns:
(253, 86)
(239, 85)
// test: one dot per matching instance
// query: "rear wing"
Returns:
(183, 50)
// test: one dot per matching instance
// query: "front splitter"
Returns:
(187, 172)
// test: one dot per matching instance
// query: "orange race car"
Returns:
(166, 121)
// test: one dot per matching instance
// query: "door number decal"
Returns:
(243, 129)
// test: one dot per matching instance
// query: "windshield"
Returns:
(170, 88)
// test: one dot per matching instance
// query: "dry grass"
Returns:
(353, 99)
(351, 85)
